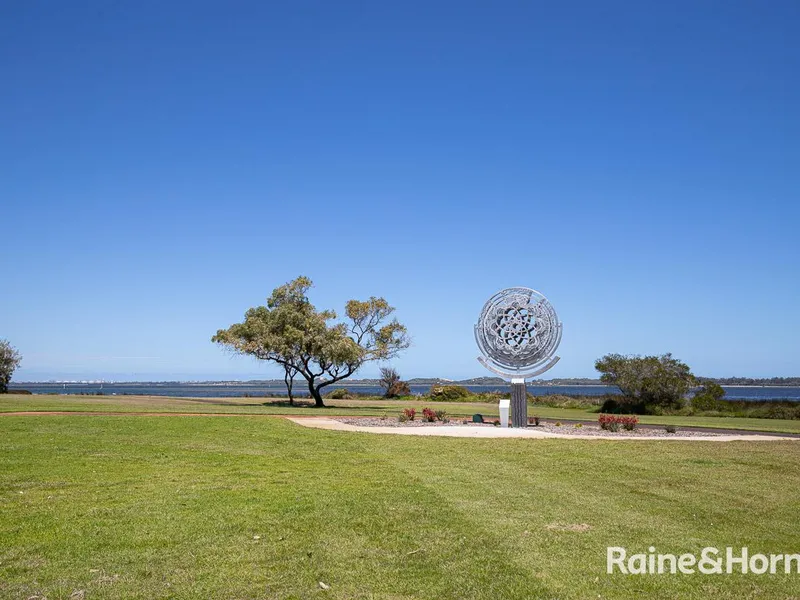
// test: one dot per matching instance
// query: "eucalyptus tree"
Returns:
(9, 361)
(291, 332)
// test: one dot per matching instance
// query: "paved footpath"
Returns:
(500, 432)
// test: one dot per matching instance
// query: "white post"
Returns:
(504, 407)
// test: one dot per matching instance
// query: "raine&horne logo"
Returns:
(711, 561)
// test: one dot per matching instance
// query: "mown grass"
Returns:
(361, 406)
(258, 507)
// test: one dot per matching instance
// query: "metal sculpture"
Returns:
(518, 334)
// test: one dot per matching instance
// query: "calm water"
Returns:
(233, 390)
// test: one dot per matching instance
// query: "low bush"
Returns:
(621, 405)
(614, 422)
(492, 397)
(20, 392)
(752, 409)
(340, 394)
(428, 415)
(441, 415)
(563, 401)
(778, 411)
(409, 414)
(533, 421)
(449, 393)
(670, 429)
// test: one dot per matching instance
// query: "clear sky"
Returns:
(165, 165)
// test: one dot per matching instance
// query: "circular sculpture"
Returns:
(518, 333)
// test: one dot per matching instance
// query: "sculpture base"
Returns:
(519, 403)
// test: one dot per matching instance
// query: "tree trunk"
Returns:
(318, 403)
(289, 380)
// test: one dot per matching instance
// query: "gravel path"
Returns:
(587, 429)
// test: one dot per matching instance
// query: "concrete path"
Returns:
(499, 432)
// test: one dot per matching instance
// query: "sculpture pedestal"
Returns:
(519, 403)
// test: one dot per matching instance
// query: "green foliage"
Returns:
(654, 381)
(340, 394)
(493, 397)
(290, 331)
(564, 401)
(670, 429)
(9, 361)
(708, 397)
(449, 393)
(619, 405)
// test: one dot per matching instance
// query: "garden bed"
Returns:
(565, 429)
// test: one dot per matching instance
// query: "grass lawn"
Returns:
(258, 507)
(369, 406)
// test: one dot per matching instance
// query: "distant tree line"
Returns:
(778, 381)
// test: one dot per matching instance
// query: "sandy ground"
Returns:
(499, 432)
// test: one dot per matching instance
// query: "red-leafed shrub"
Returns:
(613, 422)
(409, 414)
(608, 422)
(428, 415)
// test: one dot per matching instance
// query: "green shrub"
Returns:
(341, 394)
(620, 405)
(670, 429)
(708, 397)
(492, 397)
(564, 401)
(449, 393)
(779, 411)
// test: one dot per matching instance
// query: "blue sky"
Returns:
(165, 165)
